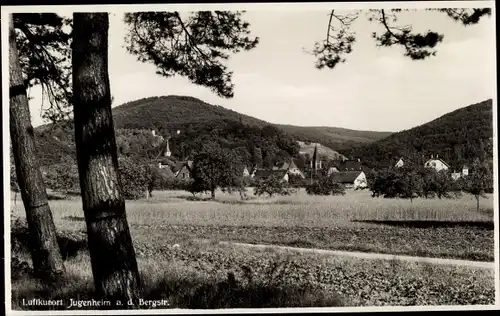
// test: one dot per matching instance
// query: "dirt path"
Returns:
(367, 255)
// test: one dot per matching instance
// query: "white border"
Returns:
(6, 10)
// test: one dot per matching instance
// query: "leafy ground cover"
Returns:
(207, 275)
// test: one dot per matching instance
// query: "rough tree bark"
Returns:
(45, 252)
(114, 264)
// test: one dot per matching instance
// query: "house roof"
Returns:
(346, 176)
(290, 165)
(167, 172)
(177, 166)
(438, 159)
(285, 166)
(347, 165)
(264, 173)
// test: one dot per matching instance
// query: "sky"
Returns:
(376, 89)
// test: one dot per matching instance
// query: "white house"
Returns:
(437, 164)
(400, 163)
(465, 170)
(458, 175)
(332, 170)
(246, 173)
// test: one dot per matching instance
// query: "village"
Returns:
(348, 172)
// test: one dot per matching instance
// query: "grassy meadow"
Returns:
(176, 241)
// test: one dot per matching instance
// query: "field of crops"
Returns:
(198, 266)
(433, 228)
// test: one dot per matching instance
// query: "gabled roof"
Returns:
(347, 165)
(438, 159)
(181, 164)
(167, 172)
(285, 166)
(264, 173)
(290, 165)
(346, 176)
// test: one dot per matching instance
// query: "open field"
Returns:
(356, 222)
(191, 272)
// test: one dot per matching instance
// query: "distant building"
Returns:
(458, 175)
(351, 179)
(346, 165)
(245, 172)
(292, 169)
(436, 163)
(465, 170)
(266, 173)
(332, 170)
(182, 169)
(400, 163)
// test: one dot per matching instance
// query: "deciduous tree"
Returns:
(272, 185)
(214, 167)
(478, 182)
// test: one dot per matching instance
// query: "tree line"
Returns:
(410, 182)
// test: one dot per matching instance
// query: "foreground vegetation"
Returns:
(204, 275)
(175, 237)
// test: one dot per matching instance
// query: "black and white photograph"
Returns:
(250, 157)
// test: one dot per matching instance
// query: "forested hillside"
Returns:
(457, 137)
(254, 145)
(197, 122)
(170, 112)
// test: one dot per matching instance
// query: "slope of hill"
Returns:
(323, 151)
(333, 137)
(458, 137)
(170, 112)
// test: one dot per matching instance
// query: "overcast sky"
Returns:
(376, 89)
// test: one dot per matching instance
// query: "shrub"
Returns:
(325, 185)
(297, 181)
(272, 185)
(135, 178)
(62, 177)
(162, 180)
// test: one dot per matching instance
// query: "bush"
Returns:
(135, 178)
(62, 177)
(272, 185)
(161, 180)
(297, 181)
(325, 185)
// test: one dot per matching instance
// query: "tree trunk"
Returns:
(45, 252)
(114, 265)
(477, 202)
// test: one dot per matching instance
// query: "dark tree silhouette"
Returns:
(214, 167)
(45, 57)
(340, 38)
(45, 252)
(114, 265)
(194, 46)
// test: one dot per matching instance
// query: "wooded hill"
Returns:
(458, 138)
(199, 122)
(173, 111)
